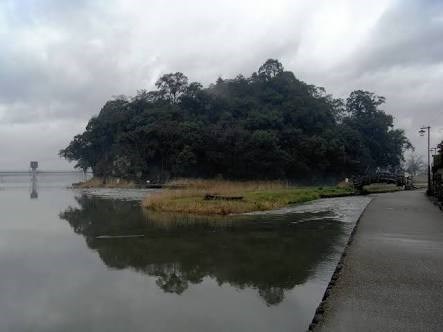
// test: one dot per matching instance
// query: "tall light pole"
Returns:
(422, 132)
(433, 152)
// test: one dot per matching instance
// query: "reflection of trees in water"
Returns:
(271, 258)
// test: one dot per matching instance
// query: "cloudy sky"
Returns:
(60, 60)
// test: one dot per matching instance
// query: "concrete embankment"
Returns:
(392, 274)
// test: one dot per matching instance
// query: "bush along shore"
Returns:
(219, 197)
(223, 197)
(98, 182)
(116, 182)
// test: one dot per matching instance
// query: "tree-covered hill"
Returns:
(269, 125)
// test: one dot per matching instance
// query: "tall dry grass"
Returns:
(226, 187)
(190, 198)
(257, 196)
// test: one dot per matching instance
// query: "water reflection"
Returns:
(272, 254)
(34, 183)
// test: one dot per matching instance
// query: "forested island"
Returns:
(270, 125)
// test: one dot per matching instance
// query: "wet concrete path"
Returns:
(392, 276)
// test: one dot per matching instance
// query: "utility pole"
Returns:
(422, 131)
(434, 152)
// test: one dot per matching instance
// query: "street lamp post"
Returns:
(422, 132)
(433, 152)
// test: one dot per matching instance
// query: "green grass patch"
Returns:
(381, 188)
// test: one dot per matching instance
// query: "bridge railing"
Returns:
(383, 177)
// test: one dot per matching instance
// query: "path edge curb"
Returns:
(319, 312)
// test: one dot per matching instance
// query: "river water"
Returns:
(74, 260)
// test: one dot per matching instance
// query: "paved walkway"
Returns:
(392, 278)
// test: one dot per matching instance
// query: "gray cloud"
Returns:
(401, 58)
(408, 34)
(61, 60)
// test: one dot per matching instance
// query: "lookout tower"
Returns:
(34, 165)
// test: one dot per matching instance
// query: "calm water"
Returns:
(65, 267)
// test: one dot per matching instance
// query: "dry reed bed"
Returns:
(257, 196)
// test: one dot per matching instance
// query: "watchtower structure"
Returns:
(34, 165)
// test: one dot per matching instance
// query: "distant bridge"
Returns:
(382, 177)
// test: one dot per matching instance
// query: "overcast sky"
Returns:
(60, 60)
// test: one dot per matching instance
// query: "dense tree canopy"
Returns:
(269, 125)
